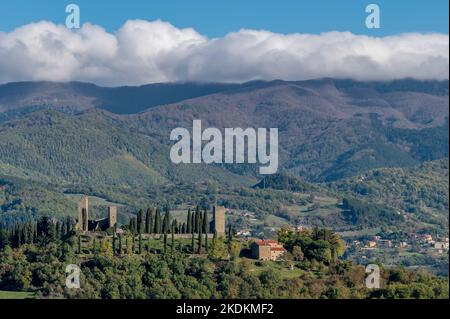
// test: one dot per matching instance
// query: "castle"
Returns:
(84, 224)
(216, 226)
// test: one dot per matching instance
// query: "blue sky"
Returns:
(215, 18)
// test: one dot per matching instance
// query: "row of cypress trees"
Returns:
(154, 223)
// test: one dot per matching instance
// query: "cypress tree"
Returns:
(189, 221)
(197, 219)
(140, 244)
(79, 243)
(140, 217)
(173, 235)
(114, 241)
(166, 222)
(149, 221)
(199, 227)
(193, 240)
(120, 244)
(206, 228)
(158, 221)
(192, 222)
(130, 225)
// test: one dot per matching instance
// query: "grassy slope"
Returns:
(16, 295)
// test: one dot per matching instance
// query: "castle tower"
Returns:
(83, 209)
(112, 216)
(219, 220)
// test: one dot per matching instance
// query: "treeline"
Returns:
(41, 231)
(173, 276)
(197, 225)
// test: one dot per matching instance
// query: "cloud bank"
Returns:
(146, 52)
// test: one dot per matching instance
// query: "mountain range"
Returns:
(329, 129)
(77, 138)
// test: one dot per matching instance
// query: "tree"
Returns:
(189, 222)
(199, 227)
(230, 233)
(218, 250)
(172, 234)
(297, 253)
(197, 217)
(149, 221)
(114, 241)
(193, 240)
(165, 242)
(158, 221)
(166, 222)
(133, 226)
(140, 244)
(140, 218)
(79, 243)
(206, 228)
(235, 250)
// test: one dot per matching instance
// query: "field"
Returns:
(16, 295)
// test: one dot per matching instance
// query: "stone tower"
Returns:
(112, 216)
(83, 205)
(219, 220)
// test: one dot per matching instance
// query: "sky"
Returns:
(136, 42)
(215, 18)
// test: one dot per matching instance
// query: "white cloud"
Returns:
(145, 52)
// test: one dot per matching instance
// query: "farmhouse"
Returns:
(267, 250)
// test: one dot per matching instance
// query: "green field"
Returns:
(16, 295)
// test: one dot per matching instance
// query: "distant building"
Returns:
(267, 250)
(384, 243)
(372, 244)
(83, 214)
(84, 224)
(244, 233)
(403, 244)
(441, 245)
(427, 238)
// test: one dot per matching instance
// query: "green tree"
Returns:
(139, 222)
(189, 222)
(158, 221)
(149, 221)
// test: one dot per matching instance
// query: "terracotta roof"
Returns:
(266, 242)
(278, 248)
